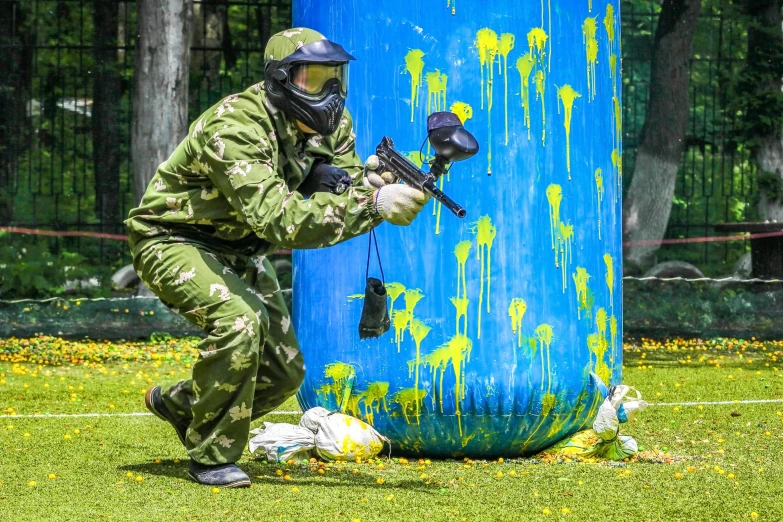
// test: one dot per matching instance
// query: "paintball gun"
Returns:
(451, 143)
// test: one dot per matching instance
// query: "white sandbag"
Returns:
(312, 418)
(342, 437)
(279, 442)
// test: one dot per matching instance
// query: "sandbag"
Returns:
(280, 442)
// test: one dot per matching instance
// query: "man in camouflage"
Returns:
(273, 166)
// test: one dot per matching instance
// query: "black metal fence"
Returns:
(716, 181)
(66, 71)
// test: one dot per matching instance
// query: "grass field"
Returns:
(699, 462)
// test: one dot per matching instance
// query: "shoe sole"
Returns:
(237, 484)
(148, 403)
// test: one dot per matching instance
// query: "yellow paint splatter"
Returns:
(589, 28)
(460, 302)
(516, 311)
(610, 278)
(600, 322)
(461, 305)
(589, 5)
(463, 110)
(597, 345)
(536, 40)
(581, 277)
(485, 235)
(416, 157)
(409, 398)
(599, 186)
(436, 91)
(414, 64)
(487, 44)
(609, 25)
(617, 163)
(613, 72)
(506, 45)
(567, 95)
(353, 297)
(374, 398)
(394, 290)
(613, 333)
(342, 376)
(525, 66)
(453, 4)
(419, 331)
(545, 337)
(618, 120)
(412, 298)
(399, 321)
(554, 194)
(455, 352)
(565, 237)
(540, 88)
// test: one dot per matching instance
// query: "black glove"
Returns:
(325, 178)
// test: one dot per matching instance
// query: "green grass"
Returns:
(91, 466)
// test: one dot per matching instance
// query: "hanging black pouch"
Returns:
(375, 313)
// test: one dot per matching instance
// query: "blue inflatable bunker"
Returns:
(499, 318)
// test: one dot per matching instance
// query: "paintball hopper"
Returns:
(449, 138)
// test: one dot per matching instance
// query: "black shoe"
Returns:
(154, 403)
(222, 475)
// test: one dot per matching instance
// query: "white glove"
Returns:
(371, 177)
(399, 204)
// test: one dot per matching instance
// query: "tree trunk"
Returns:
(160, 100)
(15, 61)
(105, 116)
(764, 82)
(211, 41)
(648, 203)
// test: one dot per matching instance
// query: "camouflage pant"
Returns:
(250, 361)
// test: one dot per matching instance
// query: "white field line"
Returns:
(147, 414)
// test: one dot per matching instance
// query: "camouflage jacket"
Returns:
(236, 174)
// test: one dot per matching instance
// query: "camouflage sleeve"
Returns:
(246, 174)
(345, 156)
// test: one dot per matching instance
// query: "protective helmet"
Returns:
(306, 77)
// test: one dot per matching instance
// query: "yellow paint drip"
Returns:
(613, 72)
(609, 25)
(353, 297)
(516, 311)
(597, 345)
(456, 352)
(463, 111)
(399, 320)
(525, 66)
(412, 298)
(374, 398)
(410, 398)
(589, 5)
(565, 237)
(394, 290)
(436, 91)
(589, 29)
(461, 252)
(453, 4)
(545, 337)
(617, 163)
(342, 376)
(414, 64)
(567, 95)
(419, 331)
(618, 120)
(554, 194)
(488, 44)
(610, 278)
(461, 305)
(613, 333)
(536, 40)
(599, 186)
(485, 235)
(581, 278)
(600, 322)
(506, 45)
(540, 88)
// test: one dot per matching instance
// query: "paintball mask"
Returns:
(310, 84)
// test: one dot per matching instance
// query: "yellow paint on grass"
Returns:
(525, 66)
(414, 64)
(581, 277)
(485, 235)
(566, 94)
(487, 43)
(456, 353)
(599, 186)
(589, 29)
(463, 111)
(609, 262)
(506, 45)
(516, 311)
(554, 194)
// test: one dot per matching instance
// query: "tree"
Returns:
(160, 101)
(759, 97)
(107, 92)
(648, 202)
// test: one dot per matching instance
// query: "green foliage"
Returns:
(37, 272)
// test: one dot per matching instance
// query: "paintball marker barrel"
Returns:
(391, 160)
